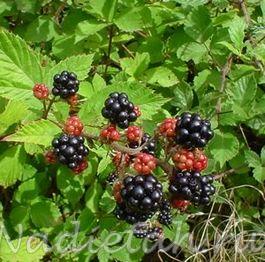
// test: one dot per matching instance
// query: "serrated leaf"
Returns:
(223, 147)
(192, 51)
(161, 76)
(70, 186)
(105, 8)
(20, 67)
(183, 96)
(12, 161)
(79, 64)
(252, 158)
(107, 203)
(259, 173)
(28, 249)
(236, 32)
(39, 132)
(262, 156)
(14, 112)
(137, 65)
(93, 196)
(44, 214)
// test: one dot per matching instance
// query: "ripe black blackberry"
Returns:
(165, 216)
(192, 131)
(123, 213)
(150, 146)
(65, 84)
(119, 110)
(145, 230)
(142, 193)
(112, 178)
(192, 186)
(70, 150)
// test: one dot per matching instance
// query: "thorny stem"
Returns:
(47, 110)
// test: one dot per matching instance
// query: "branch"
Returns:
(225, 71)
(47, 110)
(111, 33)
(244, 9)
(225, 173)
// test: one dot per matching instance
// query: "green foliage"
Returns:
(169, 57)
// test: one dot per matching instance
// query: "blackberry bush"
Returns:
(119, 110)
(65, 84)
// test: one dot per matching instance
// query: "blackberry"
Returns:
(192, 186)
(65, 84)
(119, 110)
(165, 216)
(123, 213)
(144, 230)
(70, 150)
(150, 146)
(192, 131)
(141, 194)
(112, 178)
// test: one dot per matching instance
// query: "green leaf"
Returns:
(70, 186)
(42, 29)
(87, 220)
(161, 76)
(262, 156)
(79, 64)
(19, 215)
(259, 173)
(199, 25)
(93, 196)
(14, 112)
(183, 96)
(105, 8)
(252, 159)
(87, 28)
(44, 214)
(192, 51)
(39, 132)
(12, 161)
(135, 67)
(28, 249)
(20, 67)
(236, 32)
(223, 147)
(107, 203)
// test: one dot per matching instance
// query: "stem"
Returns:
(46, 112)
(111, 31)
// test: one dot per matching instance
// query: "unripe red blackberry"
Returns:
(134, 134)
(81, 167)
(65, 84)
(119, 157)
(50, 157)
(180, 204)
(73, 100)
(110, 134)
(168, 127)
(41, 91)
(192, 131)
(191, 160)
(117, 192)
(137, 111)
(144, 163)
(119, 110)
(73, 126)
(70, 150)
(191, 186)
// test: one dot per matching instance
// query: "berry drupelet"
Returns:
(165, 216)
(41, 91)
(145, 230)
(70, 151)
(192, 131)
(65, 84)
(141, 194)
(192, 186)
(119, 110)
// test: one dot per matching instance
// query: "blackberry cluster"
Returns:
(165, 216)
(192, 186)
(65, 84)
(119, 110)
(150, 146)
(192, 131)
(123, 213)
(70, 150)
(142, 193)
(112, 178)
(144, 230)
